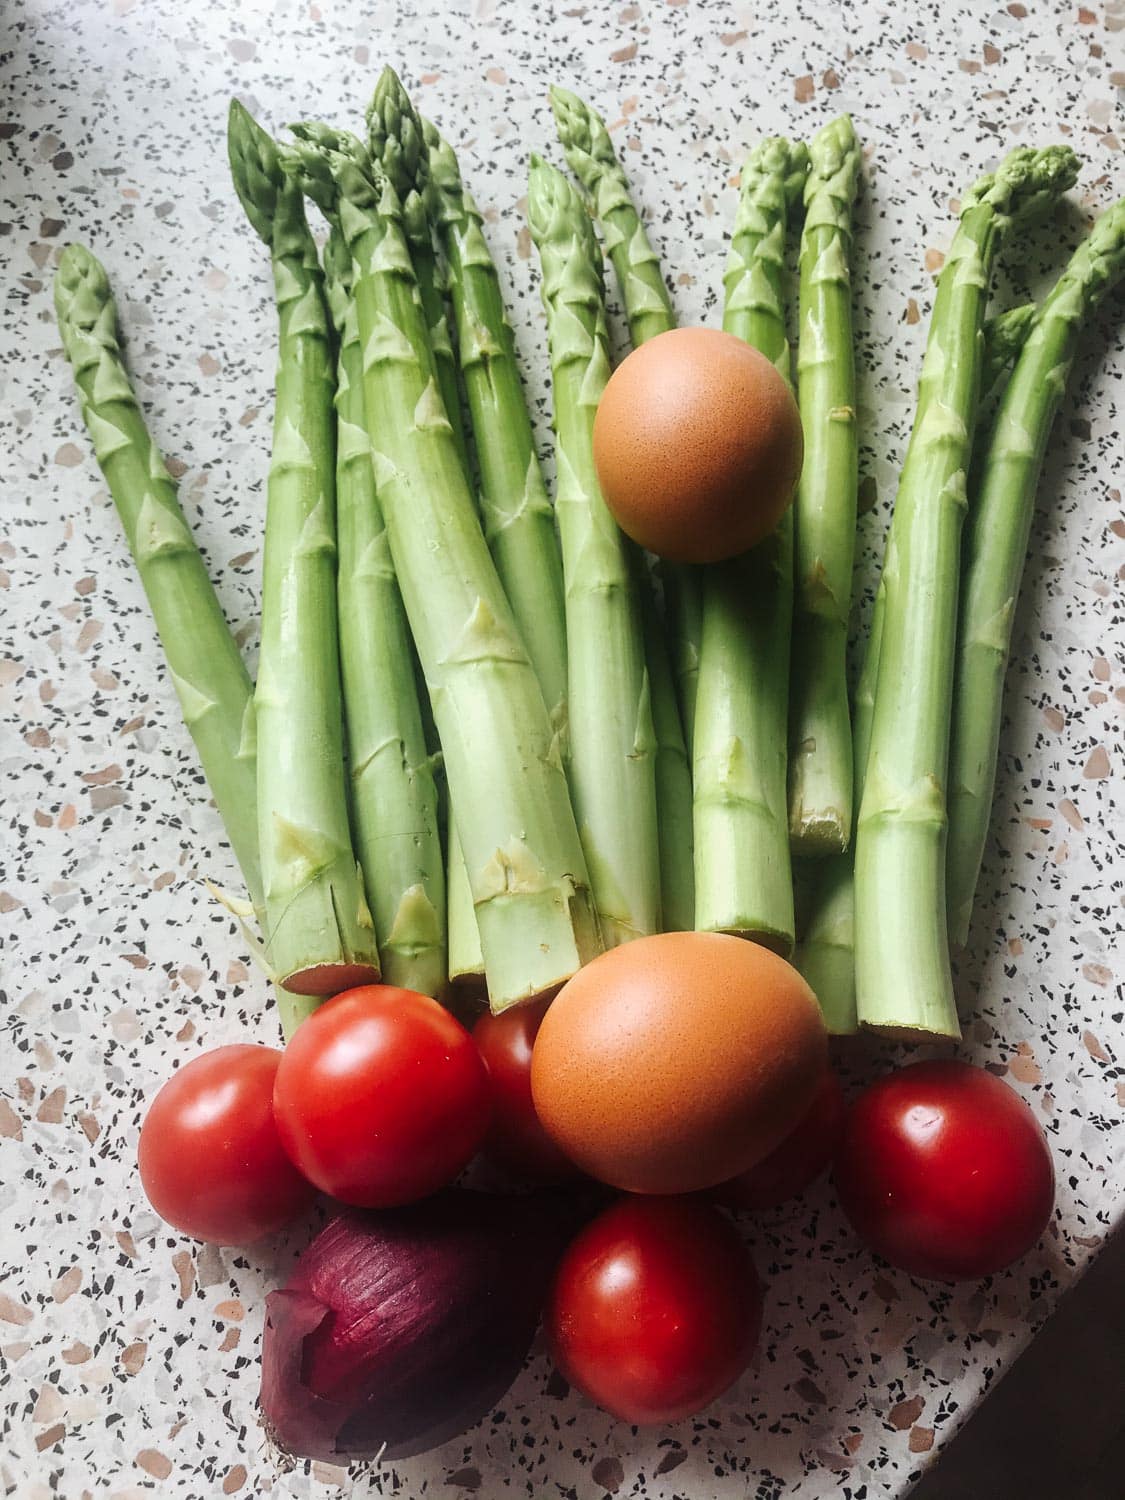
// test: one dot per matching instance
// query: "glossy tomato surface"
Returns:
(516, 1140)
(381, 1097)
(655, 1308)
(210, 1156)
(800, 1159)
(944, 1171)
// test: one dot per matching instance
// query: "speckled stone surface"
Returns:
(129, 1354)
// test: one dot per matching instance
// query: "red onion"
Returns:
(400, 1329)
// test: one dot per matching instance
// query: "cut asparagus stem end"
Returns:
(322, 980)
(816, 837)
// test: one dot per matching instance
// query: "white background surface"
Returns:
(130, 1355)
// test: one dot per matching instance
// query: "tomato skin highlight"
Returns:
(944, 1171)
(210, 1157)
(381, 1097)
(516, 1140)
(802, 1157)
(655, 1309)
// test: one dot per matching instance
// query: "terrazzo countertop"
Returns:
(130, 1355)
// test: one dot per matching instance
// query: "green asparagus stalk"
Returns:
(611, 737)
(672, 773)
(516, 511)
(743, 881)
(1004, 337)
(995, 546)
(673, 655)
(592, 159)
(396, 141)
(903, 980)
(519, 523)
(393, 796)
(508, 790)
(206, 667)
(211, 681)
(826, 951)
(820, 750)
(319, 934)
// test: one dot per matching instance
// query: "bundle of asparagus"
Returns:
(593, 726)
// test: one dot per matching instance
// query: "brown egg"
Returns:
(678, 1061)
(698, 445)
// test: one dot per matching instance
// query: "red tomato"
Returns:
(800, 1159)
(381, 1097)
(943, 1170)
(516, 1140)
(655, 1309)
(210, 1157)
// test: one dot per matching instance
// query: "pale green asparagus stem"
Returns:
(396, 140)
(648, 311)
(206, 667)
(903, 980)
(518, 519)
(611, 737)
(743, 882)
(683, 616)
(211, 681)
(508, 791)
(820, 744)
(319, 935)
(519, 523)
(826, 951)
(397, 144)
(592, 159)
(393, 796)
(673, 776)
(995, 546)
(1004, 337)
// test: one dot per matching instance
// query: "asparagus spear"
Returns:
(820, 750)
(1004, 337)
(393, 796)
(903, 980)
(396, 141)
(672, 772)
(743, 882)
(519, 523)
(612, 746)
(508, 791)
(995, 546)
(648, 310)
(319, 935)
(208, 673)
(826, 952)
(592, 159)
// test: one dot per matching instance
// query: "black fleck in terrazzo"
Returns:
(130, 1355)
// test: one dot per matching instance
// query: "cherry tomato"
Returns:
(943, 1171)
(381, 1097)
(210, 1156)
(655, 1309)
(800, 1159)
(516, 1140)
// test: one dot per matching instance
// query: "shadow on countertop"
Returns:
(1054, 1429)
